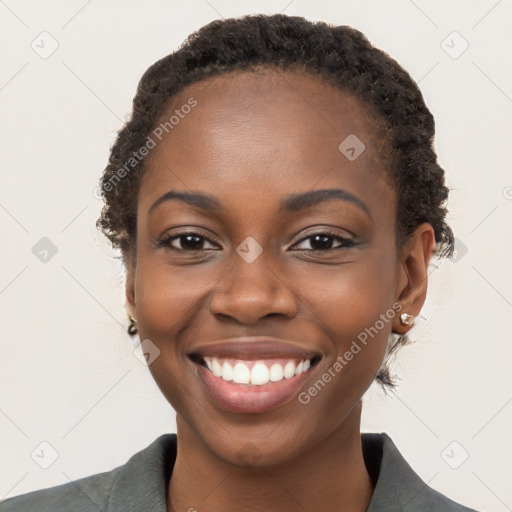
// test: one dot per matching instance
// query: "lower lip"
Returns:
(243, 398)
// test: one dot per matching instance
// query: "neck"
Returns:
(330, 476)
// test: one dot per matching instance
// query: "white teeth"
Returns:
(241, 373)
(289, 370)
(259, 375)
(227, 371)
(216, 368)
(208, 361)
(276, 372)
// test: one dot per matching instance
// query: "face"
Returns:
(286, 254)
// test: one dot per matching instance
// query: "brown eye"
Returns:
(186, 242)
(324, 242)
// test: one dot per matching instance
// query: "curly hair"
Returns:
(340, 55)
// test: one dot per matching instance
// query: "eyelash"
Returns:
(345, 241)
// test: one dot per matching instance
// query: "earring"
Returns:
(406, 319)
(132, 327)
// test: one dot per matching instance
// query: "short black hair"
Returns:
(340, 55)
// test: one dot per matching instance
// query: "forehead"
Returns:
(264, 132)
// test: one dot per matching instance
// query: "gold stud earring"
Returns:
(132, 327)
(406, 319)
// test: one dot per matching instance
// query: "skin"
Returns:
(253, 139)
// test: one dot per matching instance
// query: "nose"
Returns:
(251, 291)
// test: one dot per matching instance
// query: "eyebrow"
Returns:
(290, 203)
(202, 201)
(295, 202)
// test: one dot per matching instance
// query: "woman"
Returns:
(277, 200)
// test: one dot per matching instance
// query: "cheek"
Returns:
(350, 298)
(169, 302)
(168, 296)
(353, 310)
(354, 303)
(357, 321)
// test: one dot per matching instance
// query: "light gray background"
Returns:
(68, 375)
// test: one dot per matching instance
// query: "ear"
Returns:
(130, 266)
(414, 259)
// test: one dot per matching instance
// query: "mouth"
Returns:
(253, 377)
(254, 372)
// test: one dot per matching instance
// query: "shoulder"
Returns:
(86, 494)
(397, 486)
(143, 476)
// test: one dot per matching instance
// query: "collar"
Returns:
(141, 484)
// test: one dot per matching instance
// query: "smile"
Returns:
(256, 373)
(252, 376)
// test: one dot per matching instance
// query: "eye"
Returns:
(195, 242)
(186, 242)
(323, 241)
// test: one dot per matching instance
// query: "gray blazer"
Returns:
(140, 485)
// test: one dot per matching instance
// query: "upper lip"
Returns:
(254, 348)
